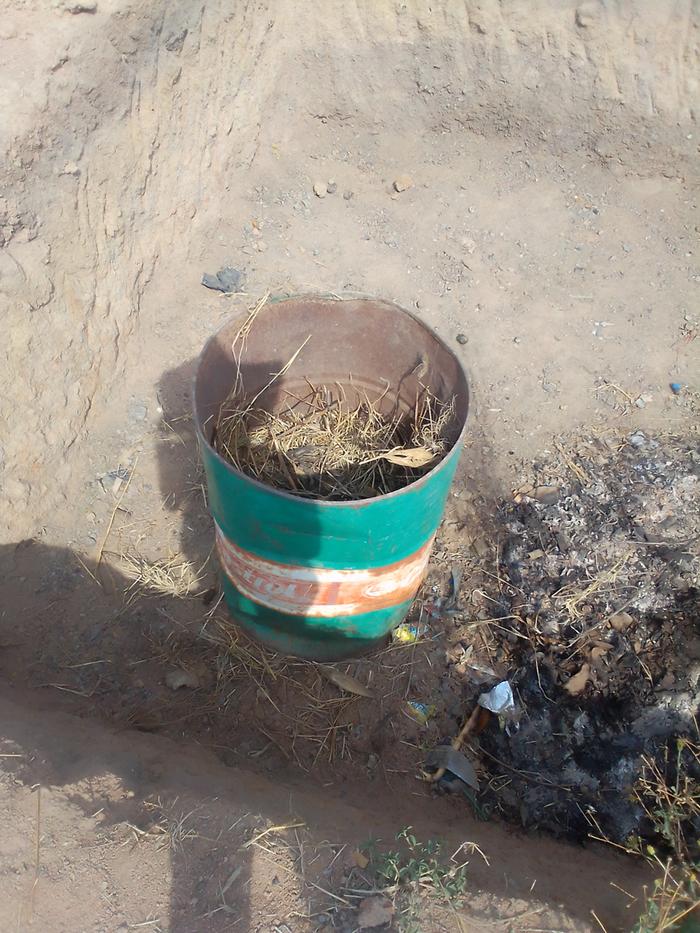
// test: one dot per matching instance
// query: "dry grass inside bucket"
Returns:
(320, 446)
(330, 441)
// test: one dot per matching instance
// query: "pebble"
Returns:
(462, 338)
(468, 244)
(403, 183)
(176, 680)
(137, 410)
(320, 189)
(332, 187)
(638, 439)
(81, 7)
(348, 195)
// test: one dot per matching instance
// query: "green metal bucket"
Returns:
(317, 579)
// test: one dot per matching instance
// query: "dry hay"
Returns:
(320, 447)
(169, 576)
(331, 442)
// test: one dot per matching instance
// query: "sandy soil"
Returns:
(552, 220)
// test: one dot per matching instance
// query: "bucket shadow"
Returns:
(69, 645)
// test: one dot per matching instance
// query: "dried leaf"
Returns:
(410, 456)
(621, 621)
(360, 859)
(598, 653)
(345, 681)
(374, 912)
(547, 495)
(577, 683)
(526, 489)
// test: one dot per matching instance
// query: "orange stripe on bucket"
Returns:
(320, 591)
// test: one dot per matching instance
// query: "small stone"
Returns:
(86, 6)
(332, 187)
(640, 402)
(374, 912)
(468, 244)
(403, 183)
(176, 680)
(137, 410)
(638, 439)
(462, 338)
(348, 195)
(175, 42)
(70, 168)
(320, 189)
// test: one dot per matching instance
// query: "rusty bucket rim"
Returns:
(324, 503)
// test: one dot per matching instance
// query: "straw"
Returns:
(322, 446)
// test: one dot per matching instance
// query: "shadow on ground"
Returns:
(76, 638)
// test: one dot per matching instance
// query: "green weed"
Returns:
(418, 870)
(669, 793)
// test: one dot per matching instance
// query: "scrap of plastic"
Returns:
(421, 712)
(499, 699)
(406, 633)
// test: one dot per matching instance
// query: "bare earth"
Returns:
(552, 220)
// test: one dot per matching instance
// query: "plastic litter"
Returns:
(499, 699)
(408, 632)
(676, 388)
(421, 712)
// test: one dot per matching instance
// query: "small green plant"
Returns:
(416, 870)
(669, 793)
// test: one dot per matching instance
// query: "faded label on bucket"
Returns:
(319, 591)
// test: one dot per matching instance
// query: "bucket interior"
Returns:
(357, 348)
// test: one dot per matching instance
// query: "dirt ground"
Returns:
(552, 220)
